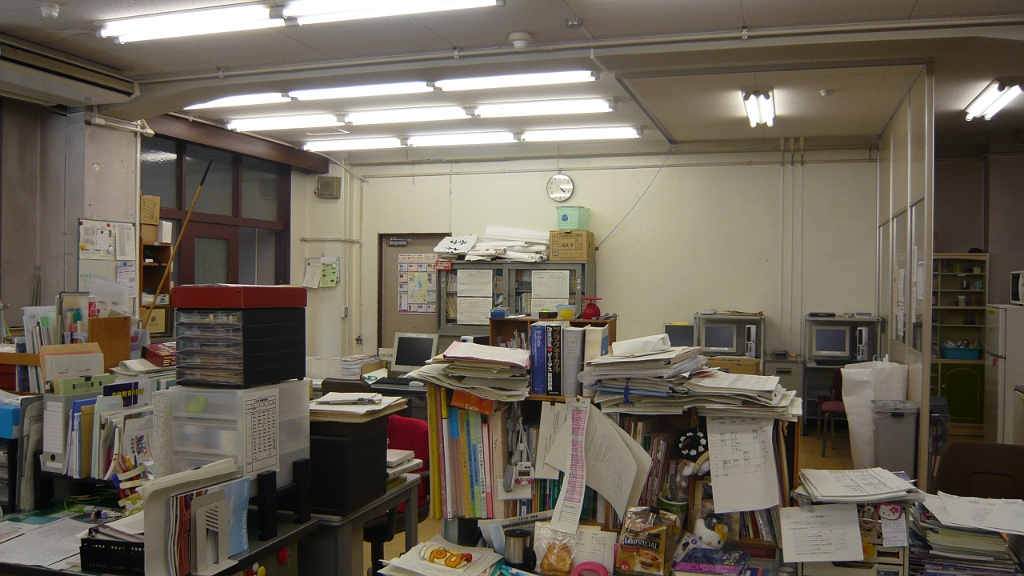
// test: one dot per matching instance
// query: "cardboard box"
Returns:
(576, 245)
(149, 210)
(157, 322)
(736, 364)
(149, 233)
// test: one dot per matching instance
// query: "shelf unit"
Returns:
(818, 377)
(511, 285)
(740, 321)
(505, 330)
(154, 258)
(959, 300)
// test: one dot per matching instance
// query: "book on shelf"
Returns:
(595, 342)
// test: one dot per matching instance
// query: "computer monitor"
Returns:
(830, 342)
(680, 334)
(719, 338)
(412, 351)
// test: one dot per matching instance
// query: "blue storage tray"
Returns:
(953, 353)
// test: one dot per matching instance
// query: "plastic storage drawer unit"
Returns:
(265, 428)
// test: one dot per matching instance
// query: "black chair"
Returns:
(981, 470)
(336, 385)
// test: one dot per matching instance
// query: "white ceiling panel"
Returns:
(613, 19)
(243, 49)
(490, 27)
(760, 14)
(366, 38)
(960, 9)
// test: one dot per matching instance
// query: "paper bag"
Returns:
(862, 383)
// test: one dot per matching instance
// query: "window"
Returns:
(238, 232)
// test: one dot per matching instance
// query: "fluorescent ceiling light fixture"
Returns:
(352, 144)
(544, 108)
(516, 80)
(991, 100)
(569, 134)
(317, 11)
(283, 122)
(361, 91)
(465, 139)
(242, 100)
(760, 107)
(190, 23)
(406, 115)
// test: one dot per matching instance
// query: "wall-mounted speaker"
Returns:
(328, 187)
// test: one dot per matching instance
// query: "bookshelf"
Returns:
(508, 330)
(154, 258)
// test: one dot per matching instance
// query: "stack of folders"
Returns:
(966, 536)
(400, 462)
(858, 486)
(490, 372)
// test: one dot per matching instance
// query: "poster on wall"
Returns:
(417, 283)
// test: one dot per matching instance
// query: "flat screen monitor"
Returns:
(830, 342)
(720, 338)
(412, 351)
(680, 334)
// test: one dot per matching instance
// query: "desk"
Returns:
(286, 533)
(337, 546)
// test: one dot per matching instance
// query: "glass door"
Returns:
(209, 254)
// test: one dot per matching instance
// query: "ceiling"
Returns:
(675, 68)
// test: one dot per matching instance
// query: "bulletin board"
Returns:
(108, 251)
(417, 283)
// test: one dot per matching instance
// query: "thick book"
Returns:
(595, 342)
(538, 358)
(711, 561)
(572, 359)
(554, 359)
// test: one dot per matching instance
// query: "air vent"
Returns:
(328, 187)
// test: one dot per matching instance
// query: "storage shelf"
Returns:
(959, 273)
(959, 307)
(954, 361)
(958, 325)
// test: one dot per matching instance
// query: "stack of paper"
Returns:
(859, 486)
(461, 561)
(946, 538)
(353, 407)
(491, 372)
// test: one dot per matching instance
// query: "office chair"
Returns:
(981, 470)
(830, 406)
(403, 434)
(335, 385)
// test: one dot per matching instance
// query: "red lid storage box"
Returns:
(237, 296)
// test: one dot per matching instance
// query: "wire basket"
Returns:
(573, 217)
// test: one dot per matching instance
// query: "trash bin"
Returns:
(895, 435)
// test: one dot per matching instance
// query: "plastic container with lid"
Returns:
(895, 435)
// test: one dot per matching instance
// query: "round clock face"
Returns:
(560, 187)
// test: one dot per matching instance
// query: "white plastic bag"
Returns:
(862, 383)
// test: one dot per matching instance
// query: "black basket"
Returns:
(113, 556)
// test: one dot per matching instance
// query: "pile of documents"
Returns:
(954, 535)
(490, 372)
(438, 557)
(647, 376)
(347, 368)
(504, 243)
(858, 486)
(353, 406)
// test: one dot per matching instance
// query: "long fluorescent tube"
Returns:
(569, 134)
(317, 11)
(242, 100)
(426, 114)
(191, 23)
(515, 80)
(544, 108)
(760, 108)
(352, 144)
(361, 91)
(465, 139)
(283, 122)
(992, 99)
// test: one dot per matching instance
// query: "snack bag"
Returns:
(646, 542)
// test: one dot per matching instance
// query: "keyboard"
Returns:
(397, 382)
(829, 362)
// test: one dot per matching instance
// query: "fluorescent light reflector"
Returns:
(406, 115)
(352, 144)
(284, 122)
(992, 99)
(242, 100)
(191, 23)
(317, 11)
(466, 139)
(760, 108)
(544, 108)
(361, 91)
(515, 80)
(569, 134)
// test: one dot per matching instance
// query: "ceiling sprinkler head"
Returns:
(573, 22)
(520, 40)
(49, 9)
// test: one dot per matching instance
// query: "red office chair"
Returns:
(403, 434)
(829, 406)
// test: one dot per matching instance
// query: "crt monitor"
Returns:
(830, 342)
(680, 334)
(719, 338)
(412, 351)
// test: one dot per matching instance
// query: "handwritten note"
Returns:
(742, 463)
(827, 533)
(570, 500)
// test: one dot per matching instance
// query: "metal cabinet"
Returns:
(790, 373)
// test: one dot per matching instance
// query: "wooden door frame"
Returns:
(186, 274)
(381, 239)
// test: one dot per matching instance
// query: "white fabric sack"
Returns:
(862, 383)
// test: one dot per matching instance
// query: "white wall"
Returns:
(727, 231)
